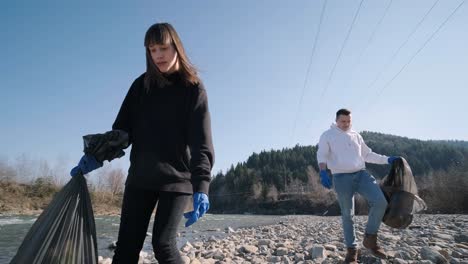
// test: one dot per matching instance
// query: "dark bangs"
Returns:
(158, 34)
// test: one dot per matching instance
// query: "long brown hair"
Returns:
(164, 34)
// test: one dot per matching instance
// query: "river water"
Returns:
(13, 229)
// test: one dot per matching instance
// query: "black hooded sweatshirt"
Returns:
(170, 132)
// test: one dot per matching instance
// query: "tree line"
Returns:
(286, 181)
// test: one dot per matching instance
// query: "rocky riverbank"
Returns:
(315, 239)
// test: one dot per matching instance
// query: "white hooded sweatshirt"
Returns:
(345, 151)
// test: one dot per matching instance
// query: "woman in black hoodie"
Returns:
(166, 116)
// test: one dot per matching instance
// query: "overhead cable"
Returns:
(309, 67)
(342, 48)
(421, 48)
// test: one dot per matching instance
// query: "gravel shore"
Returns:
(319, 239)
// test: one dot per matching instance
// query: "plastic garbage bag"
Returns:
(401, 193)
(65, 232)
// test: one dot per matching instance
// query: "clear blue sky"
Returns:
(66, 67)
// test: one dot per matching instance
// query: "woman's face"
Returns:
(165, 57)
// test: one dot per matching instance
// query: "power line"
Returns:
(371, 38)
(421, 48)
(308, 68)
(342, 47)
(402, 45)
(320, 100)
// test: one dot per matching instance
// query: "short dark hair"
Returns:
(343, 111)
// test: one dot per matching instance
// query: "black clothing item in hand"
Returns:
(107, 146)
(170, 132)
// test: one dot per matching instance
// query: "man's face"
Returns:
(343, 122)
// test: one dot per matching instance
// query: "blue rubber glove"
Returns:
(324, 179)
(201, 204)
(391, 159)
(87, 164)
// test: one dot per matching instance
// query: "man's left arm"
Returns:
(370, 156)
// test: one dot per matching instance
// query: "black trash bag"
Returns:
(65, 232)
(107, 146)
(401, 193)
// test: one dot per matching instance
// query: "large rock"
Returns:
(185, 260)
(281, 251)
(186, 247)
(249, 249)
(219, 255)
(399, 261)
(195, 261)
(330, 247)
(460, 253)
(428, 253)
(299, 257)
(102, 260)
(318, 252)
(273, 259)
(444, 236)
(265, 242)
(461, 238)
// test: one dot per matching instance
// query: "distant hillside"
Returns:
(423, 156)
(286, 181)
(457, 143)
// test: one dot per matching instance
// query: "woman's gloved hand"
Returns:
(87, 164)
(201, 204)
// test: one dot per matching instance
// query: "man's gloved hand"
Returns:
(87, 164)
(391, 159)
(324, 179)
(201, 204)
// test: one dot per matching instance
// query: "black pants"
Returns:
(137, 207)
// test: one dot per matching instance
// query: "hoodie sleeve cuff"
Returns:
(202, 186)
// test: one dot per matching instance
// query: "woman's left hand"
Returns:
(201, 204)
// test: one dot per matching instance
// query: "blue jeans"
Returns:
(346, 185)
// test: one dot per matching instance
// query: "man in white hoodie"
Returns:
(344, 153)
